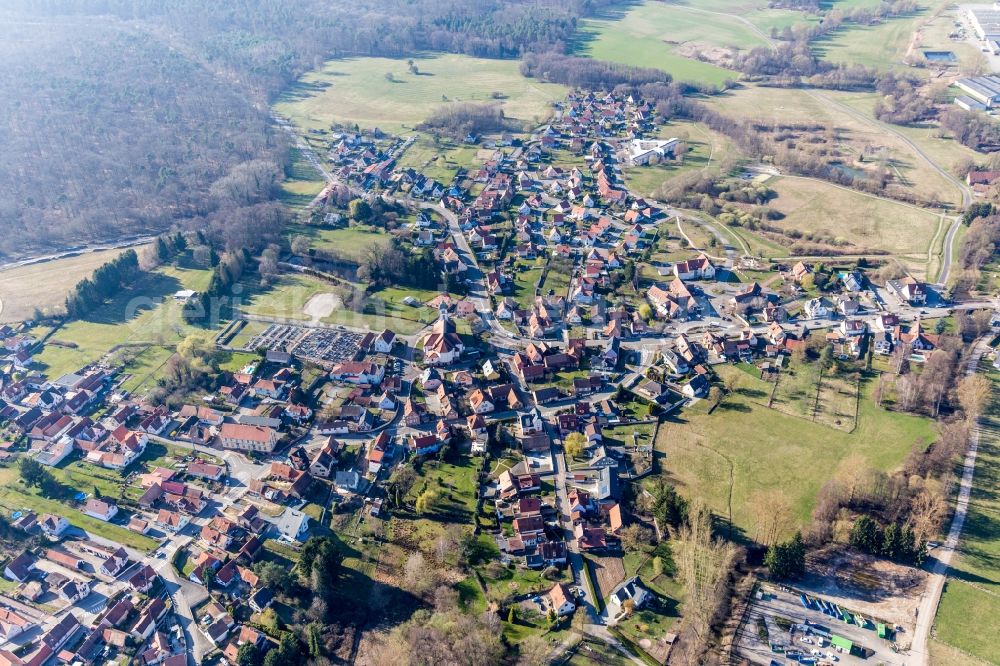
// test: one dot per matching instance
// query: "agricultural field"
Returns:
(45, 285)
(652, 34)
(743, 447)
(358, 90)
(969, 612)
(759, 14)
(145, 314)
(882, 46)
(858, 220)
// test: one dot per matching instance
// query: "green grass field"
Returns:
(356, 90)
(524, 283)
(882, 46)
(45, 286)
(143, 314)
(440, 161)
(967, 619)
(286, 298)
(944, 149)
(863, 221)
(969, 612)
(648, 36)
(14, 496)
(743, 447)
(351, 243)
(302, 182)
(145, 367)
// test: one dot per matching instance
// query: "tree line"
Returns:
(587, 73)
(461, 119)
(207, 305)
(107, 280)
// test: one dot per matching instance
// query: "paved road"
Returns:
(82, 249)
(944, 553)
(947, 252)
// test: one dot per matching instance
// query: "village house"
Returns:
(100, 509)
(247, 437)
(560, 601)
(908, 290)
(699, 268)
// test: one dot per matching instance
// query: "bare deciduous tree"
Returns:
(771, 515)
(704, 564)
(974, 395)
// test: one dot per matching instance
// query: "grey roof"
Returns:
(985, 86)
(290, 522)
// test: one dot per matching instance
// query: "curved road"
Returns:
(948, 249)
(949, 241)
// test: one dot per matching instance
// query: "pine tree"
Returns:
(162, 251)
(866, 535)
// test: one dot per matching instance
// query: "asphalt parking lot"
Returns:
(807, 635)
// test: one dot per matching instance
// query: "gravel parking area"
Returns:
(796, 634)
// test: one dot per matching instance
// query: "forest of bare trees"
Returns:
(588, 73)
(126, 116)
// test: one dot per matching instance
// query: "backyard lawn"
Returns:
(14, 496)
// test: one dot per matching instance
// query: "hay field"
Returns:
(357, 90)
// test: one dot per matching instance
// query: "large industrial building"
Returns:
(986, 22)
(983, 90)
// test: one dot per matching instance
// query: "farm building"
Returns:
(986, 22)
(983, 90)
